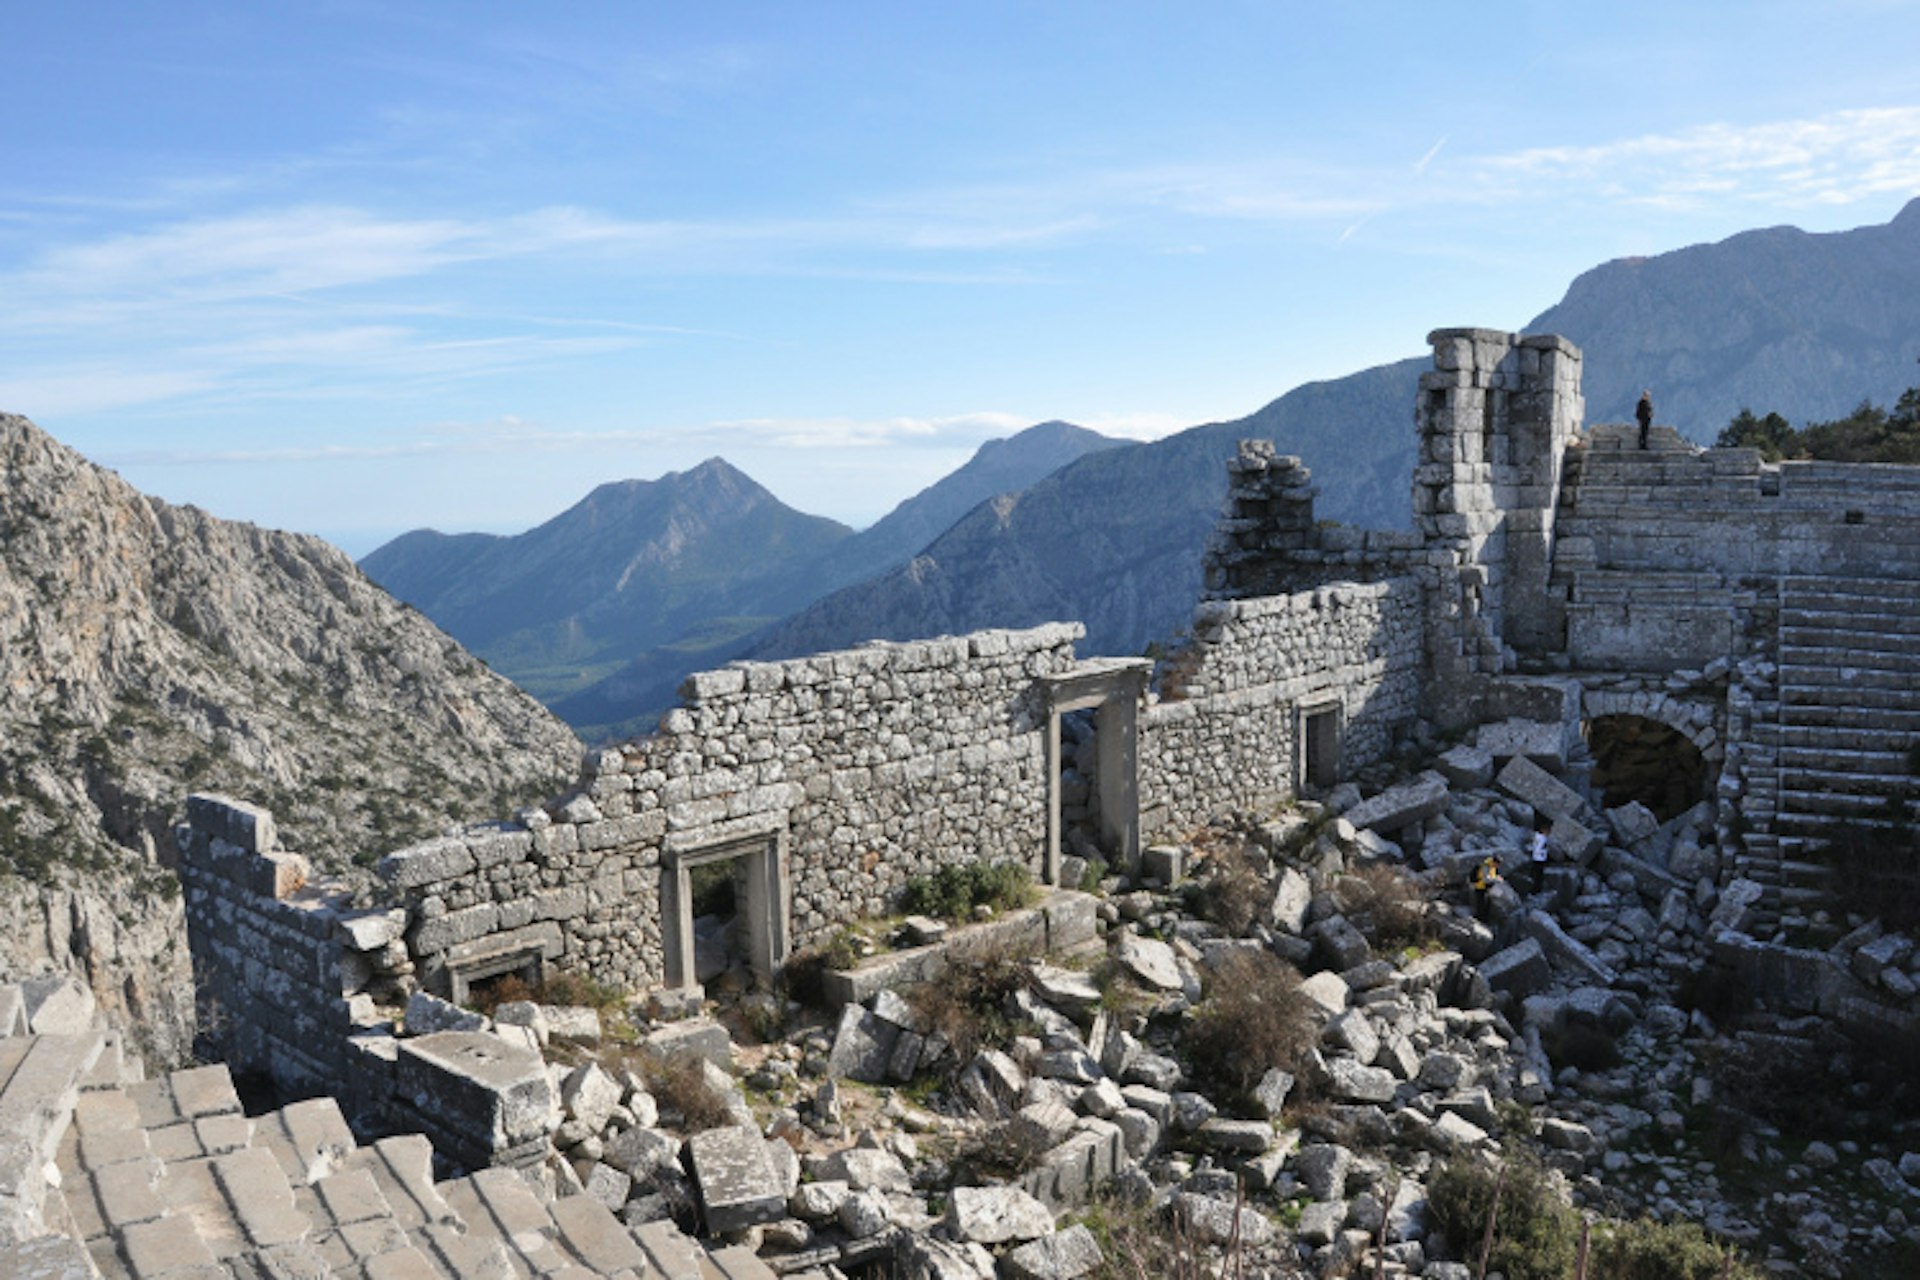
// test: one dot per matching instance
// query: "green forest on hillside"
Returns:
(1868, 434)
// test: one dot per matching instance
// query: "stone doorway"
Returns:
(1637, 758)
(1317, 728)
(745, 878)
(1110, 690)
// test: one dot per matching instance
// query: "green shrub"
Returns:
(952, 892)
(1252, 1017)
(969, 1003)
(1231, 893)
(1536, 1233)
(1393, 902)
(1648, 1250)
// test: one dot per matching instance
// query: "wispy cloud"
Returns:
(512, 435)
(1842, 157)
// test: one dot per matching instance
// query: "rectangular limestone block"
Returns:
(739, 1186)
(1528, 783)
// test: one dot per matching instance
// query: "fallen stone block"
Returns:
(739, 1187)
(1349, 1081)
(1541, 744)
(1520, 970)
(1216, 1222)
(1632, 823)
(1466, 767)
(1567, 951)
(1327, 990)
(1738, 907)
(427, 1014)
(1149, 960)
(1065, 1255)
(57, 1004)
(996, 1215)
(1574, 840)
(1399, 807)
(1344, 945)
(1292, 895)
(1528, 783)
(862, 1046)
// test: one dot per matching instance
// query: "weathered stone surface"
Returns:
(589, 1095)
(1292, 895)
(1530, 784)
(1520, 969)
(996, 1215)
(1738, 906)
(1567, 951)
(1328, 991)
(1401, 806)
(1349, 1081)
(862, 1046)
(427, 1014)
(1212, 1222)
(738, 1184)
(1270, 1095)
(1466, 767)
(1149, 960)
(1065, 1255)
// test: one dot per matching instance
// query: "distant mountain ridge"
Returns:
(1782, 320)
(645, 580)
(1116, 541)
(633, 565)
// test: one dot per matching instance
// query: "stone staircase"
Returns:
(168, 1179)
(1845, 714)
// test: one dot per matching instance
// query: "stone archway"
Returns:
(1652, 747)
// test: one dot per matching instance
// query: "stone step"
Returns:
(590, 1232)
(498, 1202)
(1879, 719)
(402, 1167)
(1880, 628)
(1902, 698)
(1878, 773)
(1838, 655)
(1850, 655)
(1887, 742)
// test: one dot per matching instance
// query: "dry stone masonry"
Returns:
(1559, 580)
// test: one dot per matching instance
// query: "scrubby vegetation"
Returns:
(970, 1003)
(1868, 434)
(1231, 891)
(1393, 902)
(1252, 1018)
(1535, 1232)
(953, 892)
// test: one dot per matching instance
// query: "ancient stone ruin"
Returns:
(1690, 666)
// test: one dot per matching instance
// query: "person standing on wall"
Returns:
(1643, 412)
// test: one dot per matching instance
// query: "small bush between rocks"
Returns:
(679, 1085)
(1138, 1243)
(968, 1004)
(953, 892)
(1253, 1017)
(1232, 891)
(1000, 1153)
(1396, 903)
(1648, 1250)
(1536, 1233)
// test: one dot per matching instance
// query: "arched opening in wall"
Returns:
(1635, 758)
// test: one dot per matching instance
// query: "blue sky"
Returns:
(355, 268)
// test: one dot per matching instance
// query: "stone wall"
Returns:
(854, 770)
(1224, 734)
(281, 961)
(1662, 550)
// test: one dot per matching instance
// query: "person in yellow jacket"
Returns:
(1486, 874)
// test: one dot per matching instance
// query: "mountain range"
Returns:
(148, 650)
(1112, 534)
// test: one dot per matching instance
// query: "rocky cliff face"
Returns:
(148, 649)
